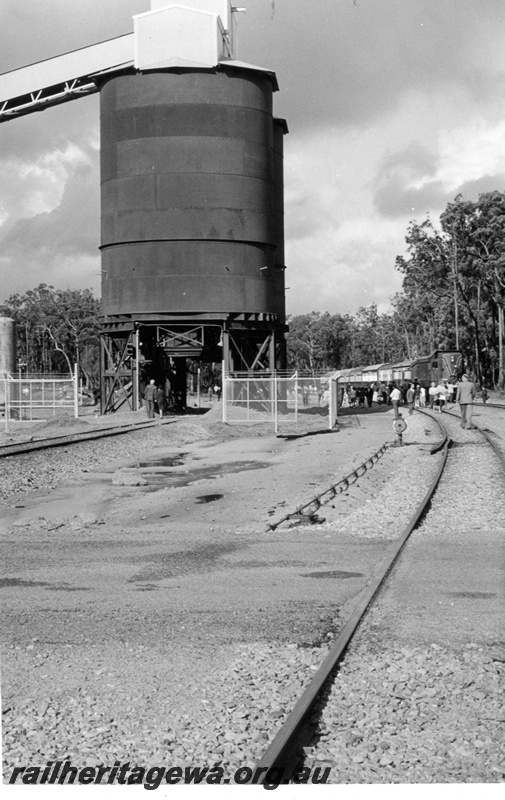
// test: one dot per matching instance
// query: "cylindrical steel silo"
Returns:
(279, 130)
(7, 352)
(188, 193)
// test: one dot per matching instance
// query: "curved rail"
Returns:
(486, 433)
(277, 755)
(71, 438)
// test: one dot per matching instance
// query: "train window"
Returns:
(434, 364)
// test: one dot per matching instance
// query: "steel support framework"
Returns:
(129, 348)
(118, 371)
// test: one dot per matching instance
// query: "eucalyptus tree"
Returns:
(56, 329)
(428, 305)
(478, 229)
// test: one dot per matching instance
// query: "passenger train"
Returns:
(442, 365)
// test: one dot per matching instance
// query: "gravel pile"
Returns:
(415, 715)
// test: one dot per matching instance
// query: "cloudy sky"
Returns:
(393, 107)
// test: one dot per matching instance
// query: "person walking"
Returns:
(149, 397)
(370, 394)
(433, 394)
(417, 394)
(411, 396)
(465, 396)
(160, 400)
(395, 397)
(442, 397)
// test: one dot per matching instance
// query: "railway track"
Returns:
(299, 729)
(261, 670)
(488, 434)
(74, 438)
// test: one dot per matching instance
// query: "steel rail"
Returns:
(72, 438)
(276, 756)
(315, 503)
(486, 434)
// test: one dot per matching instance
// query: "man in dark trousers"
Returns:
(465, 396)
(149, 397)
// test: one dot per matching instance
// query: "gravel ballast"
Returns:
(419, 696)
(152, 690)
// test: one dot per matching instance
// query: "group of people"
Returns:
(154, 399)
(413, 395)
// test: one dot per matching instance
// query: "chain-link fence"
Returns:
(32, 397)
(279, 398)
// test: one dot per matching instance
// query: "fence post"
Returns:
(76, 392)
(7, 404)
(296, 396)
(276, 426)
(224, 391)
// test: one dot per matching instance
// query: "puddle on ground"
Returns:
(66, 588)
(7, 582)
(148, 587)
(332, 574)
(186, 478)
(182, 562)
(59, 587)
(166, 461)
(208, 498)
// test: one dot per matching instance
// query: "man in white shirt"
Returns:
(395, 398)
(433, 394)
(442, 397)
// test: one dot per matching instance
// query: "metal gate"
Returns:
(26, 397)
(279, 398)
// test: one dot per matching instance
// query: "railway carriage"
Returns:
(402, 371)
(442, 365)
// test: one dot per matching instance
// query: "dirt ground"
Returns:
(118, 592)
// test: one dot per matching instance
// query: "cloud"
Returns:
(405, 183)
(353, 63)
(393, 108)
(467, 159)
(60, 244)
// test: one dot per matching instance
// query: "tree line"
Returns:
(55, 329)
(452, 297)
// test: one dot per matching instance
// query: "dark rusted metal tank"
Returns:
(191, 194)
(280, 129)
